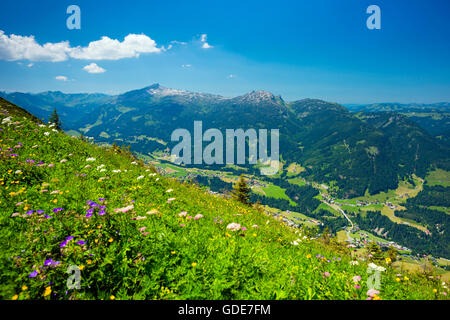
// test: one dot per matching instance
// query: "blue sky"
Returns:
(296, 49)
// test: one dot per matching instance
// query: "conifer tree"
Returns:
(54, 119)
(241, 191)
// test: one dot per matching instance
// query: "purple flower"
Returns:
(102, 207)
(63, 244)
(81, 242)
(29, 212)
(101, 212)
(33, 274)
(69, 238)
(90, 211)
(101, 199)
(40, 211)
(48, 262)
(93, 204)
(47, 216)
(88, 215)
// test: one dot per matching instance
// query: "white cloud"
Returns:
(186, 65)
(179, 42)
(93, 68)
(61, 78)
(231, 76)
(111, 49)
(29, 65)
(205, 44)
(15, 47)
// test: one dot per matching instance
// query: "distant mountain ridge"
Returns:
(354, 151)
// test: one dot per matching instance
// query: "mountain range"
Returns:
(358, 150)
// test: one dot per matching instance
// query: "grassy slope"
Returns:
(173, 257)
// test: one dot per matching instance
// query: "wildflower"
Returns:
(90, 159)
(194, 264)
(173, 252)
(405, 278)
(398, 279)
(101, 212)
(182, 214)
(326, 274)
(170, 190)
(388, 260)
(170, 200)
(142, 229)
(198, 216)
(81, 242)
(124, 209)
(308, 256)
(372, 292)
(24, 288)
(110, 240)
(112, 297)
(243, 228)
(356, 286)
(152, 212)
(46, 133)
(140, 177)
(15, 297)
(47, 216)
(33, 274)
(233, 226)
(434, 290)
(356, 279)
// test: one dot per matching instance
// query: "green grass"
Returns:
(438, 177)
(138, 246)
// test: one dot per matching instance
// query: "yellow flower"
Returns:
(14, 297)
(398, 279)
(81, 267)
(227, 234)
(112, 297)
(96, 240)
(388, 260)
(194, 264)
(254, 234)
(48, 290)
(172, 252)
(375, 297)
(406, 278)
(110, 240)
(24, 288)
(308, 256)
(89, 261)
(434, 290)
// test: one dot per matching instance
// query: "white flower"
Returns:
(100, 166)
(134, 162)
(295, 243)
(116, 171)
(54, 130)
(46, 133)
(170, 190)
(234, 226)
(140, 177)
(6, 120)
(354, 263)
(102, 170)
(51, 125)
(63, 160)
(90, 159)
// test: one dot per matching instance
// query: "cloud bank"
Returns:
(16, 47)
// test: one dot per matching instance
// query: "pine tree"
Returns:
(241, 191)
(54, 119)
(375, 250)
